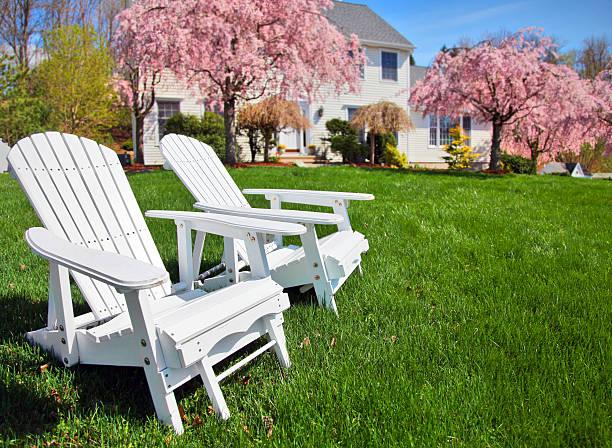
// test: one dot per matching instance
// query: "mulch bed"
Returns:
(138, 167)
(248, 164)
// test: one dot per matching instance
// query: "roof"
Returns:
(371, 29)
(416, 74)
(573, 169)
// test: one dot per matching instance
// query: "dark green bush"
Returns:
(210, 129)
(349, 147)
(517, 164)
(380, 145)
(343, 139)
(336, 126)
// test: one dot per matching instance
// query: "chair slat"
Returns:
(209, 179)
(80, 192)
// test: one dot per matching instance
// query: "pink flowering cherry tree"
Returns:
(241, 50)
(136, 79)
(602, 93)
(502, 84)
(561, 123)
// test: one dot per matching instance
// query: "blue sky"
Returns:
(431, 24)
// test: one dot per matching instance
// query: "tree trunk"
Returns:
(253, 145)
(267, 138)
(229, 114)
(495, 145)
(535, 153)
(138, 145)
(372, 148)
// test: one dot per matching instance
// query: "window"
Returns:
(350, 112)
(439, 129)
(165, 110)
(389, 65)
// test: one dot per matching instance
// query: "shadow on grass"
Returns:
(432, 172)
(38, 403)
(23, 411)
(305, 299)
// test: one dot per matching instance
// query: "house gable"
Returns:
(372, 30)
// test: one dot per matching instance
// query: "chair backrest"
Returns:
(79, 191)
(201, 171)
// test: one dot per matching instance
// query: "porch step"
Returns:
(290, 158)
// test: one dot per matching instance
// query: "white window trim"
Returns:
(346, 110)
(156, 109)
(438, 146)
(397, 68)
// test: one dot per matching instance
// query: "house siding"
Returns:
(169, 89)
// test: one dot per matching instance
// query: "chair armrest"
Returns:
(124, 273)
(311, 197)
(228, 226)
(296, 216)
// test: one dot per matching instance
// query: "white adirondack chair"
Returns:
(95, 232)
(324, 263)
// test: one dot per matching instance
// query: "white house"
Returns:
(388, 75)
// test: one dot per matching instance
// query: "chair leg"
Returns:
(274, 327)
(325, 296)
(214, 391)
(165, 403)
(360, 270)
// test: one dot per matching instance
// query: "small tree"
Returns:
(380, 118)
(271, 115)
(76, 81)
(343, 139)
(460, 155)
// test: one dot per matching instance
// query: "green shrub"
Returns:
(343, 139)
(128, 145)
(210, 129)
(336, 126)
(380, 144)
(349, 147)
(394, 158)
(517, 164)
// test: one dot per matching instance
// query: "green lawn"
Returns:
(484, 318)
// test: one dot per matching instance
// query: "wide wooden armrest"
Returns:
(124, 273)
(225, 225)
(297, 216)
(311, 197)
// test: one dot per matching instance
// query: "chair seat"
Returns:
(214, 308)
(190, 332)
(341, 252)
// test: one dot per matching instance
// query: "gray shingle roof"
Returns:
(416, 74)
(366, 24)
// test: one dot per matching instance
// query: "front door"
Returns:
(297, 140)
